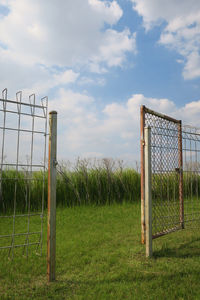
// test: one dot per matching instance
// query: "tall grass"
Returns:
(166, 185)
(24, 190)
(84, 183)
(88, 182)
(102, 184)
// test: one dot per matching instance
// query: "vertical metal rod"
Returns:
(180, 174)
(51, 231)
(186, 173)
(32, 107)
(148, 192)
(142, 123)
(196, 169)
(45, 111)
(4, 96)
(191, 177)
(17, 167)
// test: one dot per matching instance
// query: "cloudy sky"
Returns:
(98, 61)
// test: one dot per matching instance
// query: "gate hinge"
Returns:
(55, 163)
(178, 170)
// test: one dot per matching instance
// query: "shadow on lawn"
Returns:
(187, 249)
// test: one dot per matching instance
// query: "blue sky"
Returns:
(98, 61)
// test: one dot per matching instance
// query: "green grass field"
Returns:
(99, 256)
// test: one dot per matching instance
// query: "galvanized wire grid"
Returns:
(23, 129)
(191, 176)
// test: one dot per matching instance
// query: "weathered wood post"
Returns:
(148, 192)
(51, 231)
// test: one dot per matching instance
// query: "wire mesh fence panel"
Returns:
(167, 206)
(191, 176)
(23, 134)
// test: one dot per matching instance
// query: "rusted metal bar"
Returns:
(152, 112)
(51, 231)
(180, 152)
(142, 123)
(159, 234)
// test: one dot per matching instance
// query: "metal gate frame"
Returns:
(170, 176)
(148, 119)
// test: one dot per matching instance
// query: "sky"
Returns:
(98, 61)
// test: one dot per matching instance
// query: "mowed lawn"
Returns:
(99, 256)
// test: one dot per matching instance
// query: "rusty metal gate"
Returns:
(175, 167)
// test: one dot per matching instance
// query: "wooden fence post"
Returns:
(51, 231)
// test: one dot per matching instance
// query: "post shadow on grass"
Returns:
(184, 250)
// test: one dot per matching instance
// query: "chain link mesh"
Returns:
(175, 166)
(165, 174)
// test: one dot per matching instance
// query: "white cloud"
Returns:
(114, 47)
(182, 30)
(32, 79)
(174, 12)
(113, 131)
(70, 103)
(44, 45)
(86, 131)
(192, 67)
(84, 80)
(66, 77)
(111, 10)
(16, 77)
(51, 81)
(64, 33)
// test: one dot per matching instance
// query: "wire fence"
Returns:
(175, 170)
(23, 138)
(191, 176)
